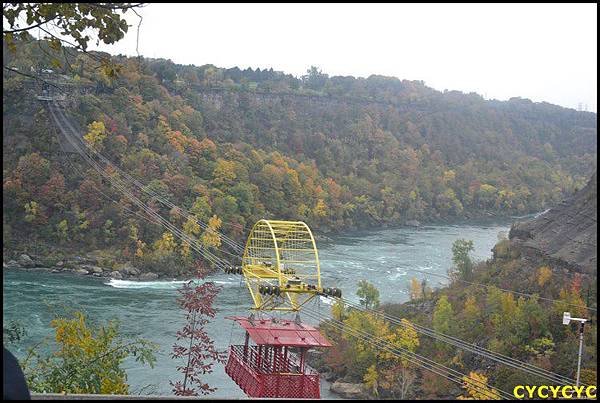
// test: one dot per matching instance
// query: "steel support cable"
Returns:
(438, 370)
(74, 167)
(472, 283)
(454, 341)
(463, 344)
(498, 357)
(235, 245)
(119, 185)
(150, 192)
(421, 361)
(419, 358)
(137, 213)
(470, 347)
(502, 289)
(415, 356)
(134, 212)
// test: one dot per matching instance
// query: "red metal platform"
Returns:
(275, 366)
(281, 333)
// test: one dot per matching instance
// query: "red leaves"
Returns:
(53, 191)
(199, 351)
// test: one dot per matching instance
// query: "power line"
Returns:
(421, 361)
(153, 193)
(218, 262)
(462, 344)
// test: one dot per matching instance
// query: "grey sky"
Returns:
(545, 52)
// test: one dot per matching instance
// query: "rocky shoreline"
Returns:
(82, 266)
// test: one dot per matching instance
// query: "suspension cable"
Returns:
(218, 262)
(421, 361)
(179, 210)
(473, 348)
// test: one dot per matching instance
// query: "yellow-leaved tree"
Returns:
(95, 135)
(88, 359)
(477, 388)
(211, 236)
(139, 250)
(544, 274)
(371, 380)
(165, 245)
(192, 229)
(415, 289)
(397, 378)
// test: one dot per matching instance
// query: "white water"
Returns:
(158, 285)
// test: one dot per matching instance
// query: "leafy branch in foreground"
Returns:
(88, 359)
(68, 24)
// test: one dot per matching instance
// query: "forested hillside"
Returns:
(238, 145)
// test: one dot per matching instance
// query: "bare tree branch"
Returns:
(122, 8)
(10, 31)
(137, 41)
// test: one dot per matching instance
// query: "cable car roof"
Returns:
(281, 332)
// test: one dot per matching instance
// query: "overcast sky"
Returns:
(536, 51)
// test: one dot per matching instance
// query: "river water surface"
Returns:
(149, 309)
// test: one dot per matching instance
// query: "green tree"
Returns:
(314, 79)
(62, 230)
(368, 294)
(443, 319)
(472, 320)
(461, 258)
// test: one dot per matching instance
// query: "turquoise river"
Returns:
(149, 310)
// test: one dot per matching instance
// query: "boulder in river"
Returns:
(12, 264)
(130, 270)
(25, 261)
(348, 390)
(148, 276)
(116, 275)
(93, 269)
(413, 223)
(81, 271)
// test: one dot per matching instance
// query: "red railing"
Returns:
(268, 372)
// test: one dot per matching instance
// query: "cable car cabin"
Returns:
(276, 365)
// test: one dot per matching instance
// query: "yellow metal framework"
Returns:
(281, 256)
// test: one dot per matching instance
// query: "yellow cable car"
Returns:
(281, 265)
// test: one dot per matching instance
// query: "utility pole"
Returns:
(566, 320)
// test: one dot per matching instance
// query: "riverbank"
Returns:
(101, 263)
(81, 266)
(58, 259)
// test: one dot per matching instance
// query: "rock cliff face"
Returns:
(565, 235)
